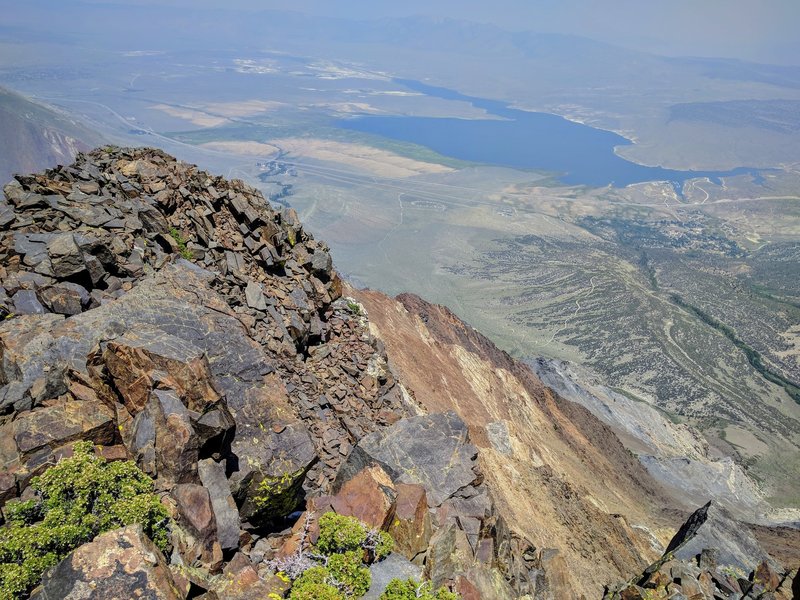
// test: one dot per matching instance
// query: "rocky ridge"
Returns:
(42, 135)
(174, 318)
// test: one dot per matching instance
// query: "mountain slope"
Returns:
(42, 137)
(562, 478)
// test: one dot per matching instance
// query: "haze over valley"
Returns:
(627, 223)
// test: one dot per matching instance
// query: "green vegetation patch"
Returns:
(752, 355)
(336, 568)
(77, 499)
(182, 249)
(341, 534)
(316, 583)
(411, 589)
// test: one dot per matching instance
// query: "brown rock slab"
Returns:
(369, 497)
(62, 422)
(118, 565)
(65, 298)
(162, 439)
(632, 592)
(766, 576)
(165, 383)
(37, 438)
(246, 584)
(141, 359)
(466, 589)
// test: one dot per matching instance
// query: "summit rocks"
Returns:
(175, 316)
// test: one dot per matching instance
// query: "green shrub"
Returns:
(343, 546)
(411, 589)
(338, 533)
(348, 570)
(380, 544)
(316, 591)
(77, 499)
(181, 243)
(354, 307)
(314, 584)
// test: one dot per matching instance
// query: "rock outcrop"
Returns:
(37, 135)
(558, 477)
(711, 556)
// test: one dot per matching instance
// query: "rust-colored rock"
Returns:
(246, 584)
(172, 408)
(466, 589)
(766, 576)
(632, 592)
(37, 438)
(146, 358)
(369, 497)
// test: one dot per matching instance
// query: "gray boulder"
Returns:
(430, 450)
(226, 515)
(394, 567)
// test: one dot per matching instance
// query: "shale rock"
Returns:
(195, 509)
(369, 497)
(177, 318)
(719, 570)
(226, 515)
(393, 567)
(38, 438)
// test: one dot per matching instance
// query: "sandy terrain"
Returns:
(242, 109)
(211, 115)
(244, 148)
(374, 161)
(196, 117)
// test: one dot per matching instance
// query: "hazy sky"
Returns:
(761, 30)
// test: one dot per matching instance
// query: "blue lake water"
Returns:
(580, 154)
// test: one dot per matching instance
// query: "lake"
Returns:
(579, 154)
